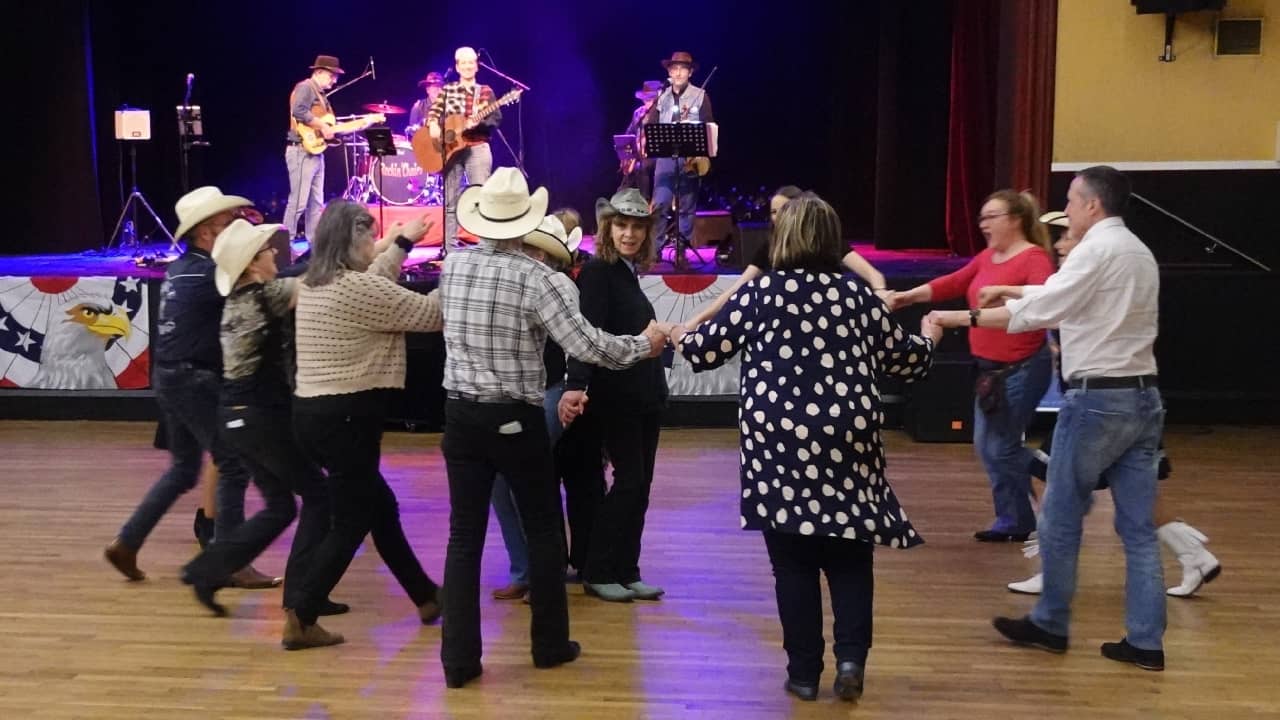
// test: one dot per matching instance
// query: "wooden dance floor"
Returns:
(77, 641)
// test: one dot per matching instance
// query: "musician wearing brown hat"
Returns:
(432, 84)
(682, 102)
(307, 105)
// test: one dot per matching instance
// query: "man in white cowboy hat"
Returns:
(464, 97)
(187, 378)
(307, 103)
(683, 102)
(500, 305)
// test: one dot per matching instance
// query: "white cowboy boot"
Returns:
(1031, 586)
(1199, 566)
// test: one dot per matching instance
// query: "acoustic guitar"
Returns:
(314, 142)
(699, 165)
(432, 154)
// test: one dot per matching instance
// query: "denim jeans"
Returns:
(264, 438)
(504, 502)
(997, 438)
(481, 440)
(666, 175)
(349, 447)
(188, 398)
(477, 163)
(797, 561)
(1111, 435)
(306, 189)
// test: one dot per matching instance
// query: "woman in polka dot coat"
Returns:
(813, 343)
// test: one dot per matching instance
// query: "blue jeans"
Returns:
(306, 189)
(476, 162)
(1111, 435)
(188, 398)
(666, 175)
(997, 438)
(504, 503)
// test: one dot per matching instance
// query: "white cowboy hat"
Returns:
(551, 238)
(203, 203)
(502, 208)
(1056, 218)
(236, 247)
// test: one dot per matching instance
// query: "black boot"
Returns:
(203, 528)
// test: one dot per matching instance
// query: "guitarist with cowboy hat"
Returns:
(307, 103)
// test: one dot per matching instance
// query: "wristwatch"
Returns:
(973, 317)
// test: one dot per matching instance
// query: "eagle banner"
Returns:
(67, 333)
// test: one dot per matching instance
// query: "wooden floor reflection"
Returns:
(76, 641)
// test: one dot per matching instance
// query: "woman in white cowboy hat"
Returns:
(625, 406)
(351, 321)
(254, 419)
(500, 305)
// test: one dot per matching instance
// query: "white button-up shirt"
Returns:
(1104, 300)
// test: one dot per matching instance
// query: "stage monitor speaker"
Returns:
(940, 407)
(747, 240)
(1146, 7)
(711, 227)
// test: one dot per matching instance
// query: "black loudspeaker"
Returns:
(747, 240)
(1146, 7)
(940, 407)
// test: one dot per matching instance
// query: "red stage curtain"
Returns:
(1035, 25)
(975, 54)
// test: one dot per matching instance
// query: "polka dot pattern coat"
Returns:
(813, 345)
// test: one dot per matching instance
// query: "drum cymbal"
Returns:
(385, 108)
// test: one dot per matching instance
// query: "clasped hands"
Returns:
(574, 402)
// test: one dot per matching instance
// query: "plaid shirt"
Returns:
(499, 307)
(454, 99)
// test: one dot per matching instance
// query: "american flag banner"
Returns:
(67, 333)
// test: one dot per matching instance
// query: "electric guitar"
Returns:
(433, 154)
(314, 142)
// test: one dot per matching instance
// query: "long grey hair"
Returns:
(334, 248)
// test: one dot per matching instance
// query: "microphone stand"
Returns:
(517, 156)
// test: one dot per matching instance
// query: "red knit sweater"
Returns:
(1029, 267)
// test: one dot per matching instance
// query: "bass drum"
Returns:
(399, 179)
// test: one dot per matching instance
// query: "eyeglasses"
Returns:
(992, 216)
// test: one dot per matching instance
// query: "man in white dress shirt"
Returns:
(1104, 301)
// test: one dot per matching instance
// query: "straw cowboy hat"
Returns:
(432, 78)
(1056, 218)
(203, 203)
(502, 208)
(236, 247)
(680, 58)
(327, 62)
(550, 238)
(628, 202)
(650, 89)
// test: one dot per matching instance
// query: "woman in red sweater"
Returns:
(1014, 368)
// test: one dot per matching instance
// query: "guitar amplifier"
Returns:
(747, 240)
(940, 407)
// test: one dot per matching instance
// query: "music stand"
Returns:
(380, 145)
(676, 141)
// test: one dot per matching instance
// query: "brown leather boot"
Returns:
(296, 636)
(429, 611)
(124, 559)
(513, 591)
(248, 578)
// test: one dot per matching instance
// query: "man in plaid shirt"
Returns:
(463, 97)
(499, 307)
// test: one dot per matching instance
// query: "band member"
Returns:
(683, 102)
(432, 83)
(464, 97)
(637, 171)
(307, 103)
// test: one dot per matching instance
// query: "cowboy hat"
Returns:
(327, 62)
(650, 88)
(1056, 218)
(432, 78)
(502, 208)
(203, 203)
(551, 238)
(236, 247)
(627, 201)
(680, 57)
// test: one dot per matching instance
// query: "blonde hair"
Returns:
(464, 53)
(1026, 209)
(568, 217)
(605, 249)
(807, 235)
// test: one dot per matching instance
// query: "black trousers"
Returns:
(797, 560)
(349, 447)
(264, 439)
(631, 439)
(581, 466)
(480, 440)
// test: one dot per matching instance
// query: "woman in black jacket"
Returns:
(625, 405)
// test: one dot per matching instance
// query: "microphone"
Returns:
(373, 71)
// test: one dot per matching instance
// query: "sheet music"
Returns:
(713, 139)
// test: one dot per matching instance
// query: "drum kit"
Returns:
(399, 180)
